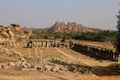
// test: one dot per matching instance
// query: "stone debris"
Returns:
(37, 67)
(55, 68)
(15, 53)
(47, 67)
(80, 69)
(12, 64)
(4, 66)
(65, 64)
(57, 63)
(24, 65)
(15, 64)
(6, 52)
(51, 67)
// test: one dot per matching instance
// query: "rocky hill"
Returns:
(70, 27)
(14, 32)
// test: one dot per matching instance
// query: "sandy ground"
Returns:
(13, 74)
(36, 75)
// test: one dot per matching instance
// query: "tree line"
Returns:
(102, 36)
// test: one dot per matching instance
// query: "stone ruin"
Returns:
(93, 51)
(49, 44)
(23, 64)
(97, 52)
(58, 63)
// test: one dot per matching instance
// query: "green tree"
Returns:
(118, 35)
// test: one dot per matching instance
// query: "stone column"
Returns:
(116, 56)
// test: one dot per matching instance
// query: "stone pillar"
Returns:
(116, 56)
(46, 44)
(68, 45)
(42, 43)
(113, 55)
(103, 53)
(56, 45)
(109, 55)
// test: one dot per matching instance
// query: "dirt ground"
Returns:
(107, 45)
(15, 74)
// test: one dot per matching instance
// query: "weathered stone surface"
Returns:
(37, 67)
(55, 68)
(51, 67)
(1, 65)
(12, 64)
(14, 32)
(47, 67)
(4, 66)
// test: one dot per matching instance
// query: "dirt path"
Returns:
(65, 54)
(4, 77)
(36, 75)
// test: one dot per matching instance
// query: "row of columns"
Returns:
(38, 43)
(52, 44)
(101, 53)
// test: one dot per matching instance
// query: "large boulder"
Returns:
(4, 66)
(4, 34)
(11, 34)
(14, 32)
(16, 27)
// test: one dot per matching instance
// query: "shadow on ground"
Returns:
(111, 70)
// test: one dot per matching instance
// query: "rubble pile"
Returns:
(67, 64)
(56, 64)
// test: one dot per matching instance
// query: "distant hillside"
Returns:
(70, 27)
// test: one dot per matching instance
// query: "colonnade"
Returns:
(98, 52)
(49, 43)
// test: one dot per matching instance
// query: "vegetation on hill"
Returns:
(75, 31)
(102, 36)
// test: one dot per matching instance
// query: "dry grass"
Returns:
(99, 44)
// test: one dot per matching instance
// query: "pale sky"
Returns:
(44, 13)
